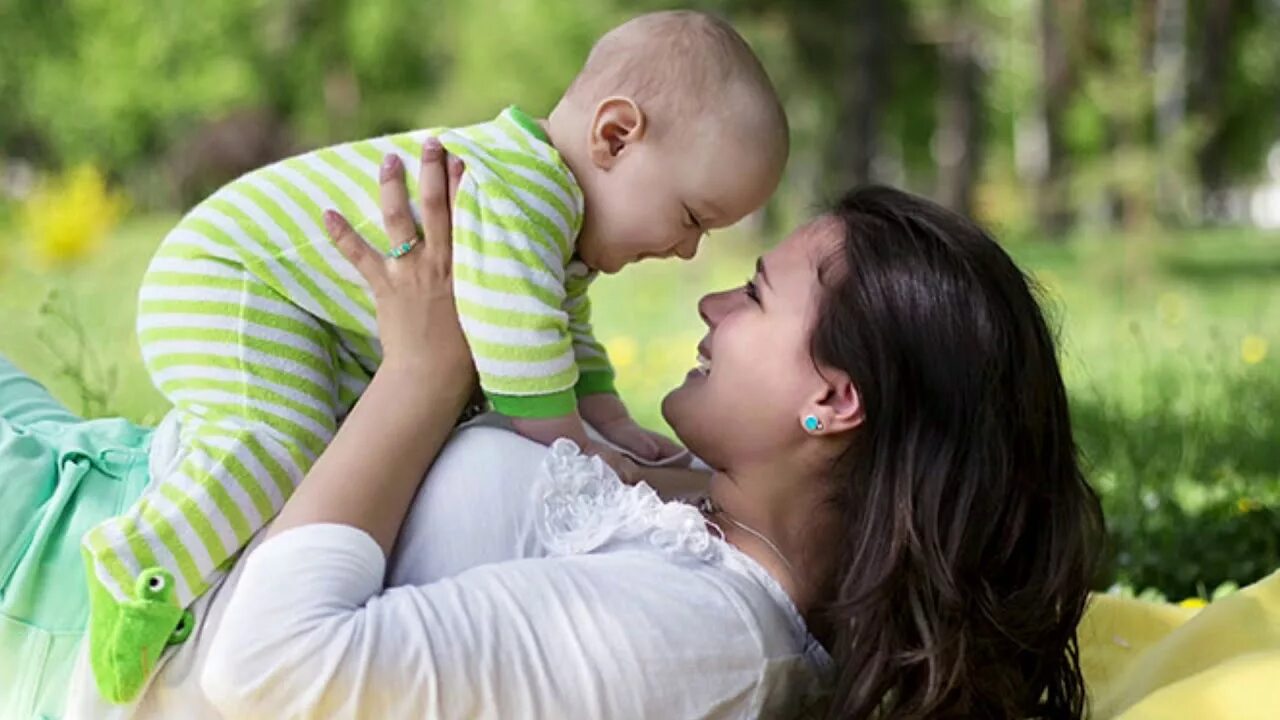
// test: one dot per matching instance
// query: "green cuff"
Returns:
(595, 382)
(527, 122)
(535, 406)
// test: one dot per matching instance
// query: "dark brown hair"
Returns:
(970, 534)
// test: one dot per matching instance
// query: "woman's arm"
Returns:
(309, 630)
(311, 633)
(367, 476)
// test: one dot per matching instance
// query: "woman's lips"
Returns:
(704, 349)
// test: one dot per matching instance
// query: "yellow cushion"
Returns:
(1147, 660)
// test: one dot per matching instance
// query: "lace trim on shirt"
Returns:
(585, 505)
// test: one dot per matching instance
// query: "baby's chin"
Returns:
(600, 262)
(606, 268)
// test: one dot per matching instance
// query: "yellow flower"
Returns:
(1247, 505)
(66, 219)
(1193, 603)
(1253, 349)
(622, 351)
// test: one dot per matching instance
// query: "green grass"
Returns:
(102, 292)
(1180, 434)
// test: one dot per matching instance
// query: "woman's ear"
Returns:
(617, 123)
(837, 407)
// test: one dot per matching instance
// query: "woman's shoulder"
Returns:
(493, 496)
(651, 620)
(585, 513)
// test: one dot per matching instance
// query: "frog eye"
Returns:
(186, 623)
(154, 584)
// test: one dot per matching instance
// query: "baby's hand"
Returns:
(628, 472)
(548, 430)
(644, 444)
(610, 418)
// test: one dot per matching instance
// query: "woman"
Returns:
(899, 463)
(896, 520)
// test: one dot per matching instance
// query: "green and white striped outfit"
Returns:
(263, 336)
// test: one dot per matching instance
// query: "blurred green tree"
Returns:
(1081, 110)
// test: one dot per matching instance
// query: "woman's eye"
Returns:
(749, 287)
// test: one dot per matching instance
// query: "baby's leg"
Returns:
(254, 381)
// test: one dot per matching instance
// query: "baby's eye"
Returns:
(691, 221)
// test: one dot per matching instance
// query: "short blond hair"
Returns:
(679, 64)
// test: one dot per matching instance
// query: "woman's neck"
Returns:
(786, 531)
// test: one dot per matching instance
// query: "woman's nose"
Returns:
(714, 306)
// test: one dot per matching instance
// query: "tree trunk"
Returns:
(1169, 63)
(862, 87)
(958, 140)
(1053, 211)
(1208, 103)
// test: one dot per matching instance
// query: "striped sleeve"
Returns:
(508, 281)
(595, 373)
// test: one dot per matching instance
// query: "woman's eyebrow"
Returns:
(760, 271)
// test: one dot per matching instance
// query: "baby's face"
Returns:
(663, 195)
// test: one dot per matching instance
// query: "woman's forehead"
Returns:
(807, 248)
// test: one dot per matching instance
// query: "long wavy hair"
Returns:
(970, 536)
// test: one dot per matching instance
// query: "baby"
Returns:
(263, 336)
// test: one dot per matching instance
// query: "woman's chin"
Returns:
(680, 410)
(676, 399)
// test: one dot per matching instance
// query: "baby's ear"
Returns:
(617, 123)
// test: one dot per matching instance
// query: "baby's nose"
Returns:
(689, 248)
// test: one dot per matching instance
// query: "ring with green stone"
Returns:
(402, 249)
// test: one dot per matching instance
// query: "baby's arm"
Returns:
(598, 401)
(548, 430)
(609, 416)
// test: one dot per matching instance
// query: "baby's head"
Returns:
(672, 129)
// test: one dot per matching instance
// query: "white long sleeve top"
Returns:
(562, 595)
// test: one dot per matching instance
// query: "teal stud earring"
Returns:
(812, 423)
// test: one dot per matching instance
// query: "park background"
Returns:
(1126, 152)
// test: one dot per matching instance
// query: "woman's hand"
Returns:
(368, 475)
(417, 318)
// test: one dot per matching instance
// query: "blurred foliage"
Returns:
(1135, 115)
(1189, 472)
(75, 357)
(1168, 356)
(131, 87)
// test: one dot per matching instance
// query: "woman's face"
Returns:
(746, 401)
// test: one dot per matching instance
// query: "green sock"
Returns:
(126, 638)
